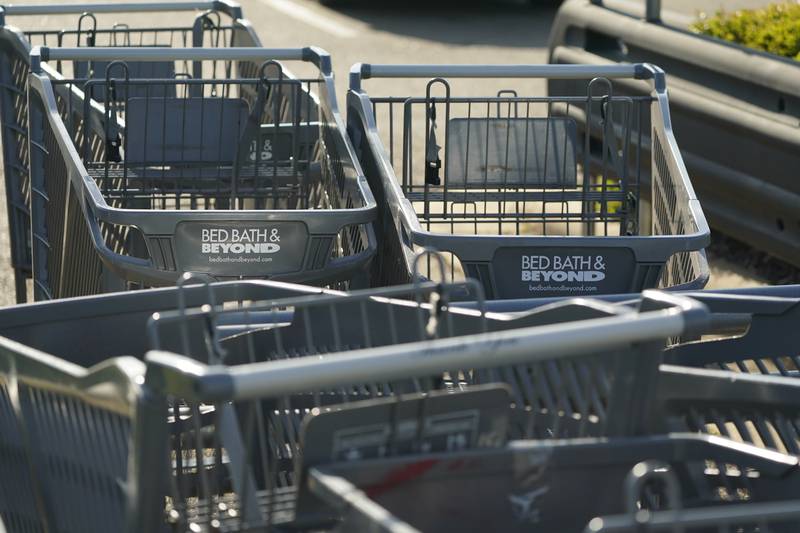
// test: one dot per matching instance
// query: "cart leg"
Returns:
(21, 285)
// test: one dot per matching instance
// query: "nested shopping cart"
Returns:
(66, 441)
(229, 176)
(244, 420)
(514, 192)
(265, 393)
(59, 418)
(186, 24)
(755, 328)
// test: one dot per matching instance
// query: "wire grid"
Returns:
(751, 410)
(192, 165)
(758, 363)
(515, 199)
(511, 161)
(668, 218)
(72, 266)
(774, 428)
(83, 456)
(15, 161)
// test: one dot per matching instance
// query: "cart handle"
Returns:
(639, 71)
(312, 54)
(230, 8)
(195, 381)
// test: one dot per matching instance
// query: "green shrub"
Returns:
(774, 29)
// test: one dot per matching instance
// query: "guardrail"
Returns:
(735, 113)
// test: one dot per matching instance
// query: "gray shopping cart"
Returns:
(229, 177)
(190, 24)
(509, 187)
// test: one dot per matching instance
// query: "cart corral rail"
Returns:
(735, 112)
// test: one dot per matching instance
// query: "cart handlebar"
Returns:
(639, 71)
(669, 316)
(314, 55)
(231, 8)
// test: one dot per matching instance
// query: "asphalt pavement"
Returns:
(424, 32)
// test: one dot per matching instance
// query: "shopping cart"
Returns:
(508, 187)
(754, 328)
(243, 420)
(211, 24)
(271, 397)
(89, 330)
(768, 344)
(558, 486)
(268, 424)
(72, 417)
(66, 441)
(226, 177)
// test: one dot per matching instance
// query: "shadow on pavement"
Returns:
(489, 22)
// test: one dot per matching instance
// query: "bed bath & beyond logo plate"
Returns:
(562, 271)
(247, 249)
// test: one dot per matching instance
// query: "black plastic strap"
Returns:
(432, 161)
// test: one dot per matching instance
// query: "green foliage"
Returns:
(774, 29)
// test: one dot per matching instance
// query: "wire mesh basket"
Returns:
(515, 194)
(191, 24)
(240, 172)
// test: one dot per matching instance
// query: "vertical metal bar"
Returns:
(408, 159)
(652, 11)
(276, 121)
(587, 161)
(521, 214)
(567, 219)
(544, 177)
(623, 223)
(504, 196)
(391, 129)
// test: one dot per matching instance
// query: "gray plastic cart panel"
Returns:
(525, 152)
(197, 129)
(439, 421)
(277, 144)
